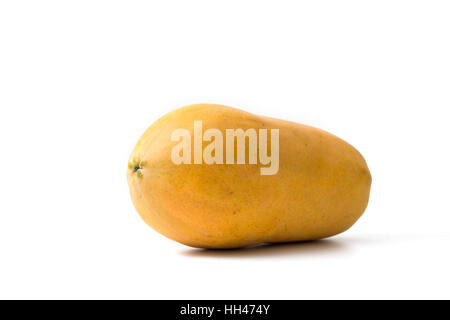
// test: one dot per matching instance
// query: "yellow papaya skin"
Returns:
(321, 188)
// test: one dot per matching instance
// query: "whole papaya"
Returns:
(211, 176)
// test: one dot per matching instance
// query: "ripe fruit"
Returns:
(194, 182)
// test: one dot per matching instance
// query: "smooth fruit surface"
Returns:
(321, 188)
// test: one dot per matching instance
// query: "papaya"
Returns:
(212, 176)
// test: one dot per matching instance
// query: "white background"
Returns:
(81, 80)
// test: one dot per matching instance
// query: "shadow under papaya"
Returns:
(305, 248)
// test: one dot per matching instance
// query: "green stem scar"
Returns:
(136, 166)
